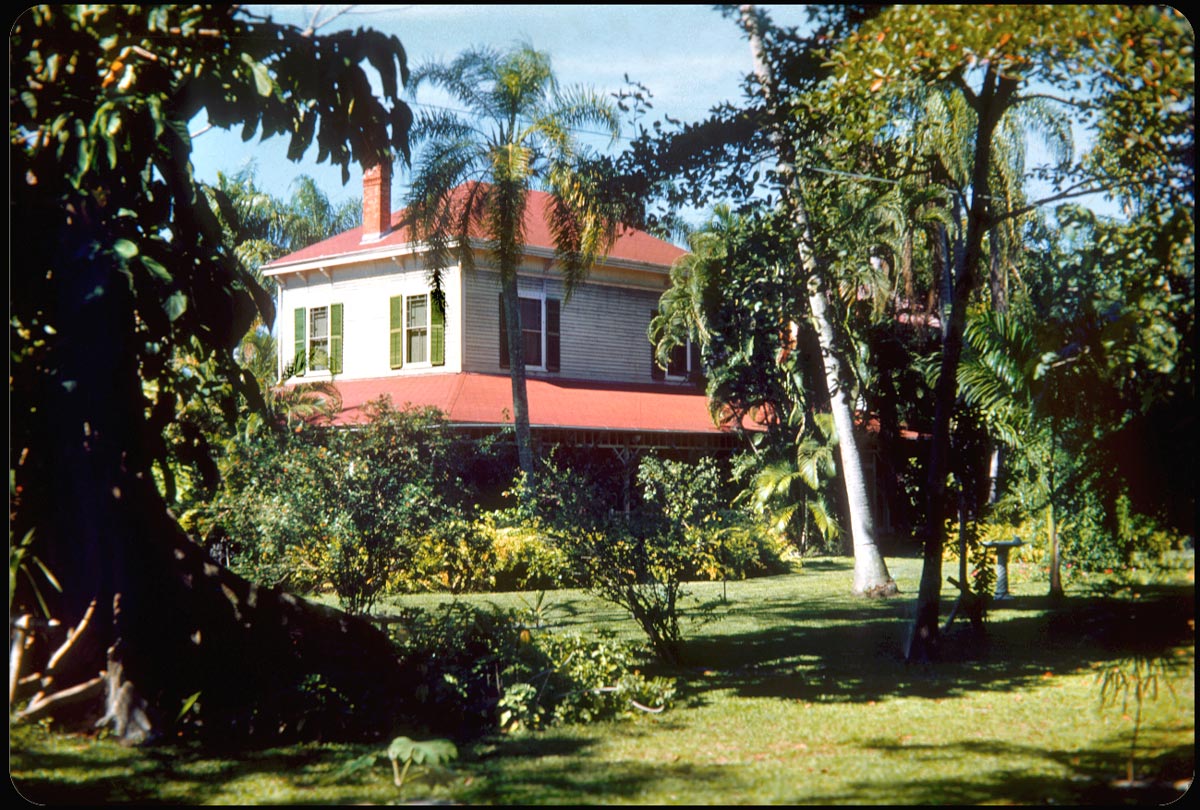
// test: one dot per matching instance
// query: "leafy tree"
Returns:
(132, 270)
(732, 297)
(256, 227)
(998, 59)
(474, 174)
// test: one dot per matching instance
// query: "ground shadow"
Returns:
(855, 653)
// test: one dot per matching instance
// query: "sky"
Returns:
(689, 57)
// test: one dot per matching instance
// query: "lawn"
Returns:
(793, 692)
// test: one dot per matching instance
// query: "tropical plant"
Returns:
(998, 59)
(793, 491)
(475, 171)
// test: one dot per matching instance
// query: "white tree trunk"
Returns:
(870, 571)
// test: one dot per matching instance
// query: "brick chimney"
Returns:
(377, 202)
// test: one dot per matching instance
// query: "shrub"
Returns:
(474, 671)
(457, 555)
(307, 506)
(527, 559)
(641, 563)
(597, 677)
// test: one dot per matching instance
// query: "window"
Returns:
(418, 328)
(540, 333)
(318, 339)
(683, 363)
(531, 330)
(418, 331)
(680, 365)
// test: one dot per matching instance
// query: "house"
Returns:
(359, 306)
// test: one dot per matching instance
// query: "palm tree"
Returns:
(792, 492)
(1015, 373)
(475, 171)
(257, 228)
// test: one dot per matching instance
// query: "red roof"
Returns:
(486, 399)
(631, 245)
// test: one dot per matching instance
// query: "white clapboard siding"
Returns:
(365, 291)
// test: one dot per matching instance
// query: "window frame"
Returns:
(410, 330)
(688, 371)
(311, 341)
(543, 300)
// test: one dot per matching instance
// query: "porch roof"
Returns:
(472, 399)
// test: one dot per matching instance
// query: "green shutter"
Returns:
(397, 304)
(552, 335)
(300, 359)
(437, 334)
(335, 339)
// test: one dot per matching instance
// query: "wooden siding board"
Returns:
(603, 329)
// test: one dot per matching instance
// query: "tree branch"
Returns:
(43, 705)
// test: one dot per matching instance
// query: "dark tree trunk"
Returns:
(168, 624)
(516, 359)
(990, 104)
(154, 621)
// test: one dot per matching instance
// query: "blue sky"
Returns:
(688, 56)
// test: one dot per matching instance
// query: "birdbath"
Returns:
(1002, 548)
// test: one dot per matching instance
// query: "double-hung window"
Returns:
(318, 339)
(417, 334)
(418, 331)
(540, 333)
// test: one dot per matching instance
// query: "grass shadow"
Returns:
(821, 652)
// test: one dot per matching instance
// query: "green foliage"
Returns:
(793, 495)
(352, 508)
(527, 558)
(597, 677)
(458, 555)
(22, 564)
(564, 495)
(127, 309)
(476, 670)
(641, 564)
(430, 753)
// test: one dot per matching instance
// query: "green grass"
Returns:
(794, 692)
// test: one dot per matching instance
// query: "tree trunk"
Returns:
(989, 104)
(516, 364)
(157, 626)
(871, 576)
(1056, 587)
(170, 624)
(870, 571)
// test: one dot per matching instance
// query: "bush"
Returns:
(457, 555)
(307, 506)
(641, 563)
(473, 671)
(527, 559)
